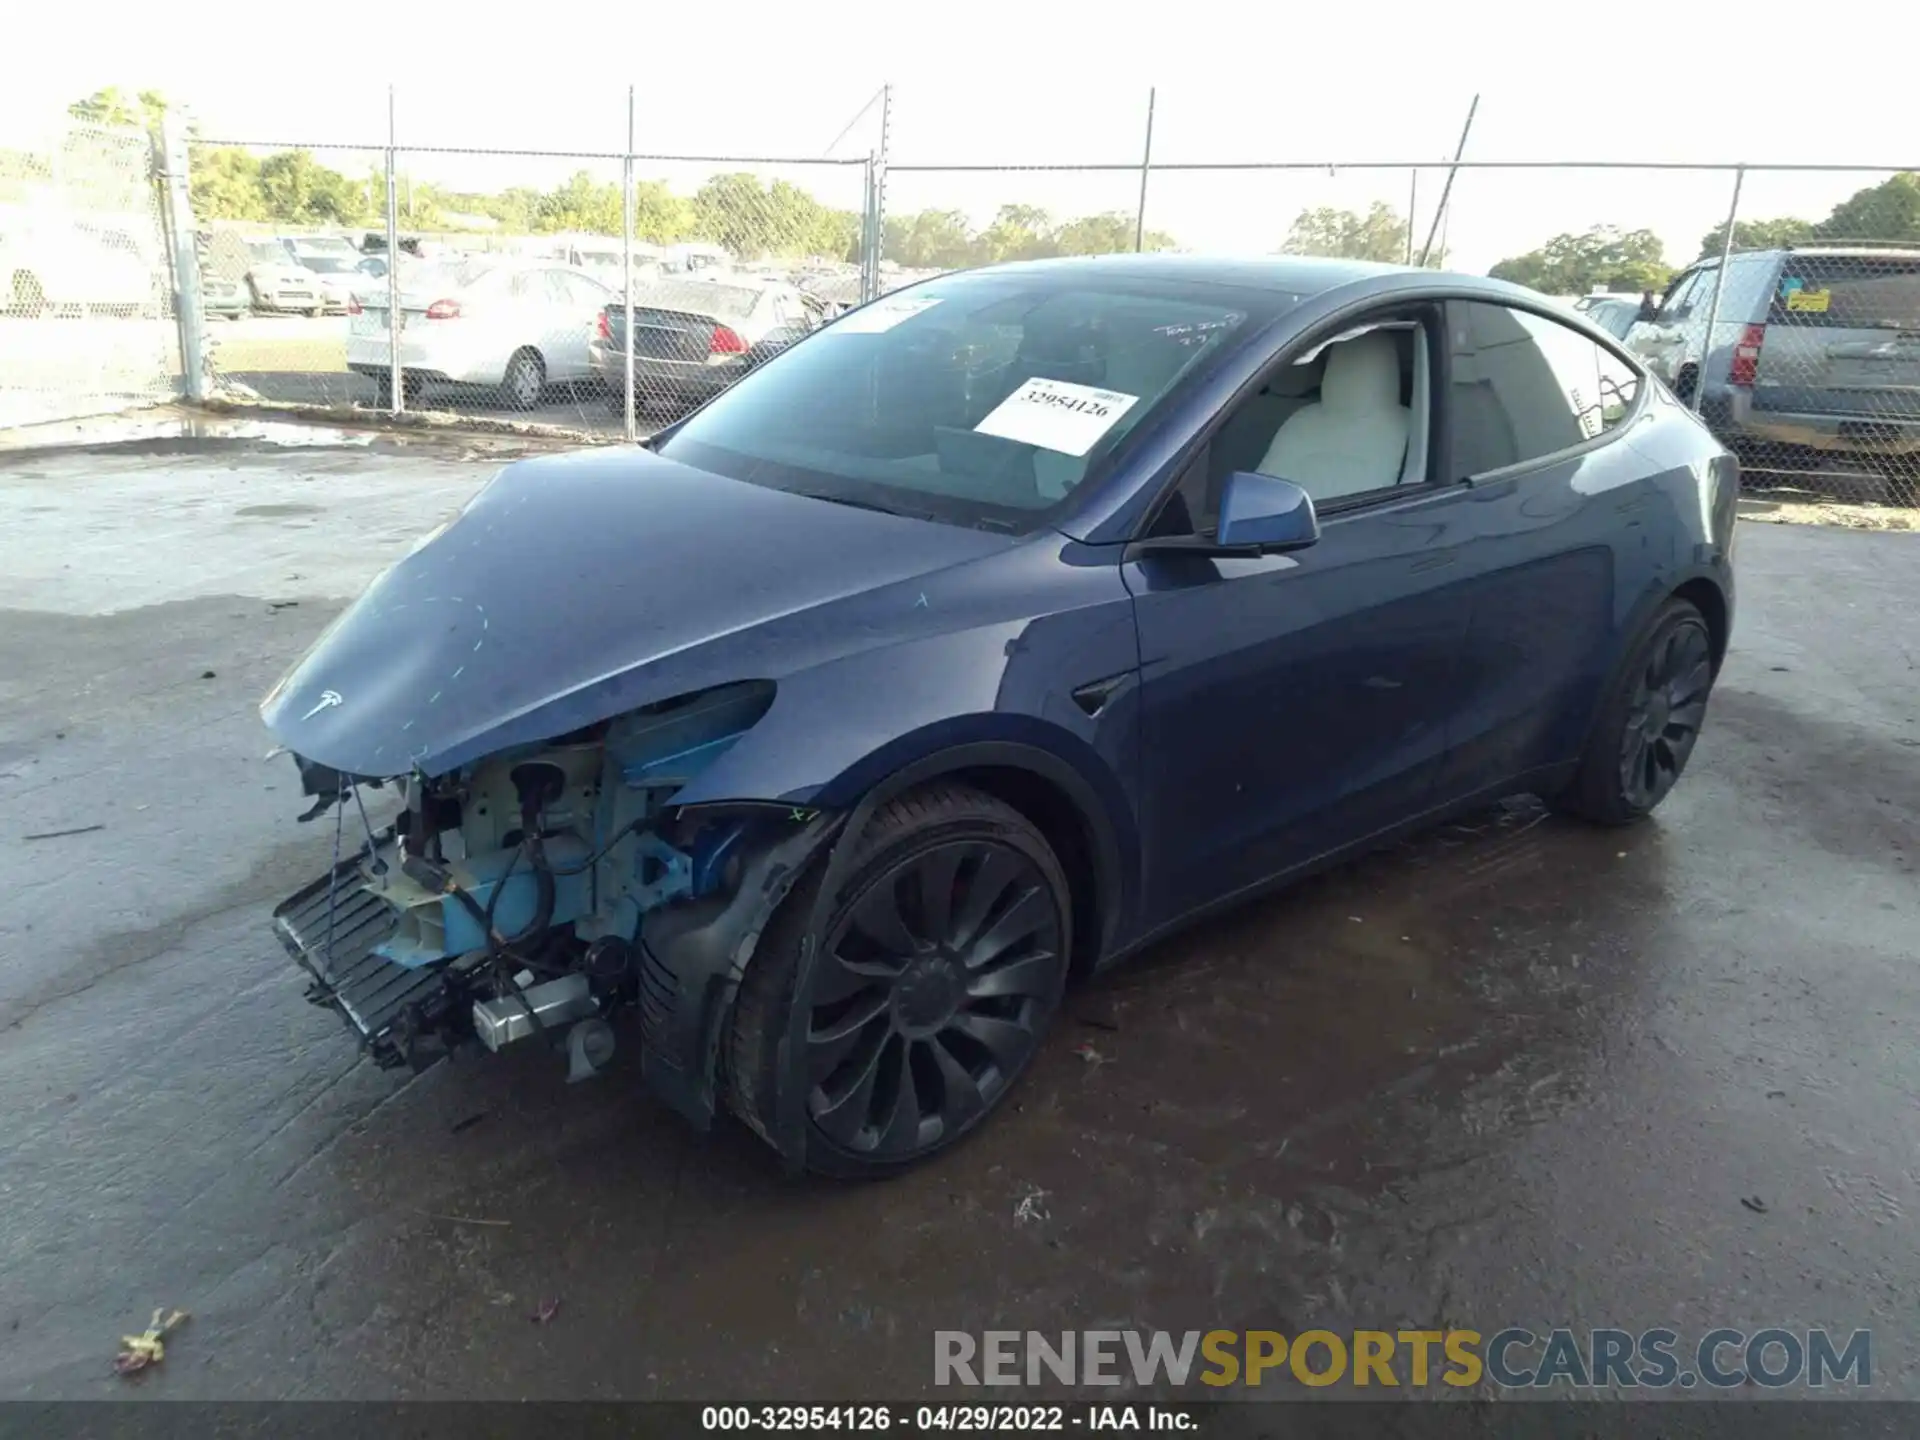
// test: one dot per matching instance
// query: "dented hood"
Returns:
(554, 598)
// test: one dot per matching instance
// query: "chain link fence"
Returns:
(87, 320)
(1797, 336)
(504, 278)
(602, 291)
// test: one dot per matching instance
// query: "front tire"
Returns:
(1647, 724)
(940, 968)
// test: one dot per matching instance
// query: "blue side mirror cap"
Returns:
(1264, 512)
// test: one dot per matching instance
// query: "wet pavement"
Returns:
(1512, 1072)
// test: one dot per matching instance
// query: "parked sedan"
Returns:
(338, 279)
(513, 328)
(275, 282)
(693, 337)
(978, 640)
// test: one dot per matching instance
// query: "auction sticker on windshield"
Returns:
(1057, 415)
(882, 315)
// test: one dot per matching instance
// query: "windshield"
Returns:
(267, 251)
(979, 398)
(325, 264)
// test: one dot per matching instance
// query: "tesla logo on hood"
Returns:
(328, 699)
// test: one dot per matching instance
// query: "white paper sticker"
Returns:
(882, 315)
(1057, 415)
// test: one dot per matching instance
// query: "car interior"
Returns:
(1347, 418)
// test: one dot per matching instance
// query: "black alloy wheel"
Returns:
(1664, 715)
(930, 996)
(943, 961)
(1648, 722)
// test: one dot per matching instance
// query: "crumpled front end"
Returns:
(509, 900)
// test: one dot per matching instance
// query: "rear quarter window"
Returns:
(1848, 292)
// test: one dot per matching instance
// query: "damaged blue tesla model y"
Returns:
(985, 635)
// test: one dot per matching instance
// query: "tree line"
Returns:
(753, 218)
(1606, 257)
(738, 211)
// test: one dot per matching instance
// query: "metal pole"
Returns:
(880, 185)
(1719, 284)
(188, 303)
(631, 430)
(1446, 191)
(1413, 206)
(1146, 168)
(396, 376)
(869, 236)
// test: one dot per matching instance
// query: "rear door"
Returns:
(577, 301)
(1557, 506)
(1843, 338)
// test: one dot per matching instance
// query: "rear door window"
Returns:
(1523, 387)
(1689, 290)
(1848, 292)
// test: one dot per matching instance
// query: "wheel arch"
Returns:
(1059, 802)
(1706, 596)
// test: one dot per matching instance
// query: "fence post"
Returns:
(631, 427)
(1413, 206)
(879, 172)
(1719, 285)
(1146, 168)
(869, 242)
(189, 306)
(396, 373)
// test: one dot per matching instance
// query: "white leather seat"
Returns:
(1355, 438)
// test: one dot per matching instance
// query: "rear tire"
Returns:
(524, 382)
(941, 965)
(1647, 724)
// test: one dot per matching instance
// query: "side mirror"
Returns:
(1266, 514)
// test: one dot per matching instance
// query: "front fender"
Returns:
(996, 695)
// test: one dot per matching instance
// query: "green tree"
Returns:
(660, 217)
(738, 213)
(1018, 232)
(929, 240)
(582, 204)
(1379, 234)
(1604, 257)
(299, 190)
(110, 107)
(225, 184)
(1108, 234)
(1887, 211)
(1757, 234)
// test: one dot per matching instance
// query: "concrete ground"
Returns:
(1513, 1072)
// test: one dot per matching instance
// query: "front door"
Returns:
(1296, 703)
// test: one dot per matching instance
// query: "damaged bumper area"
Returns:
(549, 893)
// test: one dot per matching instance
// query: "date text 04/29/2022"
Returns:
(929, 1419)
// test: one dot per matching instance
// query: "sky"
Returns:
(998, 83)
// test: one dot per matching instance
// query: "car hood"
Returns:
(562, 595)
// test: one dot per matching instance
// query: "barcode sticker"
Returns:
(1057, 415)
